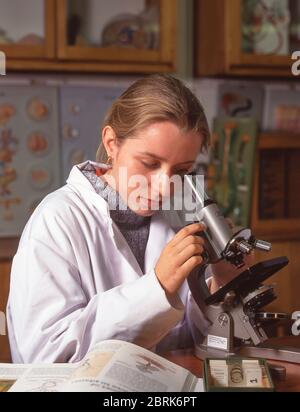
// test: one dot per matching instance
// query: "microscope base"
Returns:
(203, 352)
(279, 353)
(283, 353)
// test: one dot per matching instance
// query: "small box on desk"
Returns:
(236, 374)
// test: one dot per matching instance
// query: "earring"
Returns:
(109, 161)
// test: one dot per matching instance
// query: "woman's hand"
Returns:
(179, 257)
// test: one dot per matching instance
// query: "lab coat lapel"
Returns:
(124, 249)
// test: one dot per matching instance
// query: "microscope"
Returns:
(235, 311)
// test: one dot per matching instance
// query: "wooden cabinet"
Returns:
(5, 266)
(276, 197)
(276, 212)
(97, 36)
(151, 48)
(33, 36)
(231, 41)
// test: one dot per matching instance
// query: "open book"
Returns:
(111, 366)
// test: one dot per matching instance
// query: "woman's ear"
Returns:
(109, 139)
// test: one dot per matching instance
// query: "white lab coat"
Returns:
(75, 282)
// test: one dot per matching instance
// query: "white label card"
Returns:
(218, 342)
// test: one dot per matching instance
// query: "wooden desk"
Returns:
(188, 360)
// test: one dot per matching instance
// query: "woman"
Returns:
(86, 271)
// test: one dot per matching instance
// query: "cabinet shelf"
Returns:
(57, 54)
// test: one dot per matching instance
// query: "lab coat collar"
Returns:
(81, 185)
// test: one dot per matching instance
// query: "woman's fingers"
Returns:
(190, 264)
(179, 257)
(194, 249)
(189, 240)
(187, 231)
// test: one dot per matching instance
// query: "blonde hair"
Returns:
(155, 98)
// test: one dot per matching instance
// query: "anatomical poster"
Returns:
(231, 166)
(83, 109)
(29, 152)
(241, 100)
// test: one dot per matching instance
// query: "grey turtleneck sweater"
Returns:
(133, 227)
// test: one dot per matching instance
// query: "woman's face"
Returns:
(157, 153)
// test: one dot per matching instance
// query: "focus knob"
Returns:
(262, 245)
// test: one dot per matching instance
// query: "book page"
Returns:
(117, 366)
(43, 378)
(12, 371)
(9, 373)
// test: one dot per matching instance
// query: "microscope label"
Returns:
(218, 342)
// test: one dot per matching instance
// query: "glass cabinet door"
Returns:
(27, 28)
(116, 30)
(130, 24)
(249, 37)
(270, 27)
